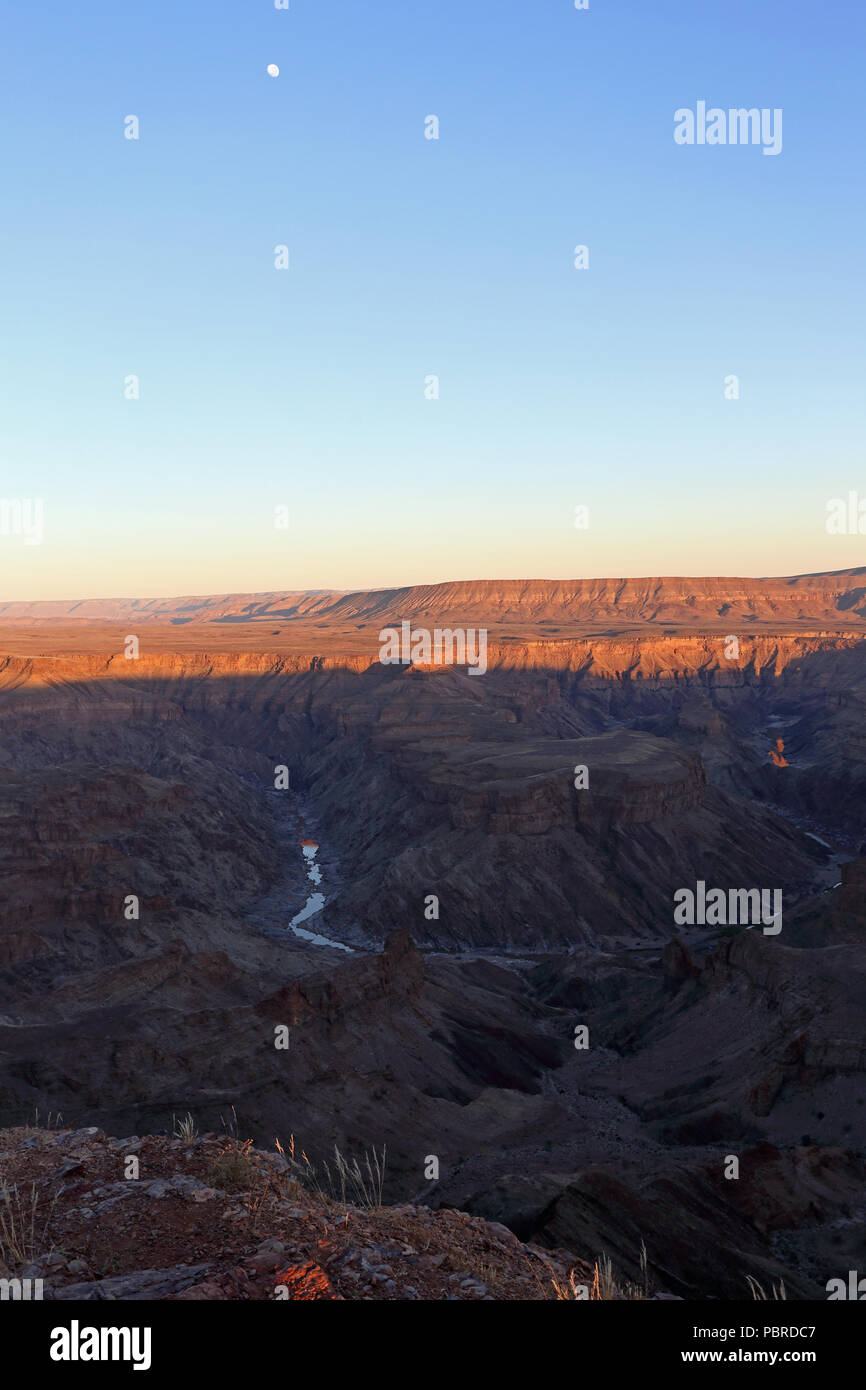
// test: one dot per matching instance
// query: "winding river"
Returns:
(315, 902)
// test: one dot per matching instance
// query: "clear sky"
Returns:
(410, 257)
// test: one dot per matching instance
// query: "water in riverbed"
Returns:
(315, 902)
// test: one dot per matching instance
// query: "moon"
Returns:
(273, 70)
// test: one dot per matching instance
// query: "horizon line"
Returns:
(431, 584)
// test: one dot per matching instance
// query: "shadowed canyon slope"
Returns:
(451, 1031)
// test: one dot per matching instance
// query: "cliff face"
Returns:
(195, 655)
(840, 596)
(430, 782)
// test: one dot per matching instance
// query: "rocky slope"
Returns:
(450, 1032)
(212, 1218)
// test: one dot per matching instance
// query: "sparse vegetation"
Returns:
(757, 1290)
(604, 1286)
(185, 1128)
(50, 1121)
(22, 1229)
(230, 1126)
(343, 1180)
(233, 1168)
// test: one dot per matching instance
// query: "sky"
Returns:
(286, 433)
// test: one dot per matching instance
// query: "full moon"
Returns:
(273, 70)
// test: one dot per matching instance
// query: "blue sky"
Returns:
(411, 257)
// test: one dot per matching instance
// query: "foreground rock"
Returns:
(260, 1234)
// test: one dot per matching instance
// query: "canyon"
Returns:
(483, 900)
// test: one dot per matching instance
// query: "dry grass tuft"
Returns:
(343, 1179)
(233, 1169)
(605, 1286)
(23, 1228)
(185, 1128)
(757, 1290)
